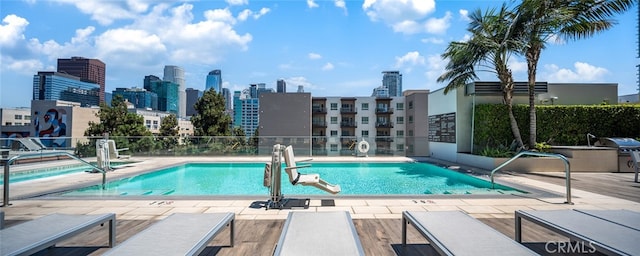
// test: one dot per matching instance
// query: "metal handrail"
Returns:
(567, 168)
(5, 199)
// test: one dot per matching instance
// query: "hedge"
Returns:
(565, 125)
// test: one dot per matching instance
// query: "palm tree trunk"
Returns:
(512, 120)
(532, 56)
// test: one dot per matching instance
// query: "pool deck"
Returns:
(377, 219)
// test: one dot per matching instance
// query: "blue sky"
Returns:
(331, 47)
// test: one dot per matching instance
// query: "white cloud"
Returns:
(583, 72)
(407, 16)
(300, 80)
(438, 26)
(464, 15)
(120, 44)
(243, 15)
(341, 4)
(410, 60)
(517, 66)
(327, 66)
(106, 12)
(314, 56)
(237, 2)
(311, 4)
(13, 31)
(432, 40)
(262, 12)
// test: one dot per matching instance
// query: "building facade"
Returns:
(140, 98)
(175, 75)
(214, 81)
(167, 95)
(61, 124)
(193, 95)
(393, 81)
(281, 86)
(49, 85)
(88, 70)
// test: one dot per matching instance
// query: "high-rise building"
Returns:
(214, 80)
(140, 98)
(393, 81)
(237, 104)
(193, 95)
(175, 75)
(167, 94)
(300, 88)
(228, 100)
(281, 86)
(88, 70)
(49, 85)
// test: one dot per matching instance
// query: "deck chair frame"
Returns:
(607, 236)
(456, 233)
(35, 235)
(319, 233)
(178, 234)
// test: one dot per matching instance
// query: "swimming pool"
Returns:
(52, 171)
(401, 178)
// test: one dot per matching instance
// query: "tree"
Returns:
(126, 128)
(211, 119)
(489, 47)
(169, 131)
(539, 21)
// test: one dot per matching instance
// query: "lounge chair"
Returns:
(456, 233)
(305, 179)
(319, 233)
(592, 228)
(38, 234)
(29, 145)
(178, 234)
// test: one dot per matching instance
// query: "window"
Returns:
(334, 106)
(400, 120)
(147, 123)
(400, 147)
(18, 117)
(399, 133)
(27, 117)
(410, 119)
(410, 104)
(17, 124)
(334, 120)
(410, 133)
(365, 120)
(365, 134)
(7, 123)
(334, 133)
(334, 147)
(400, 106)
(365, 106)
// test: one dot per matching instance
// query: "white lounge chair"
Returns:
(33, 236)
(319, 233)
(179, 234)
(456, 233)
(608, 231)
(29, 145)
(305, 179)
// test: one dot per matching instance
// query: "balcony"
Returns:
(384, 139)
(319, 124)
(384, 110)
(384, 124)
(348, 124)
(350, 110)
(318, 110)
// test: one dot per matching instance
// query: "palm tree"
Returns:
(539, 21)
(489, 50)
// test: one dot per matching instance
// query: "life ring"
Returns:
(363, 147)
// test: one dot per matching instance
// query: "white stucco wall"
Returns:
(439, 103)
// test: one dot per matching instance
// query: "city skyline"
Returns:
(330, 47)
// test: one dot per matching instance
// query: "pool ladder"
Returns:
(8, 162)
(567, 168)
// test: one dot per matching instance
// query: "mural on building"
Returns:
(51, 127)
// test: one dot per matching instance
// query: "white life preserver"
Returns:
(363, 147)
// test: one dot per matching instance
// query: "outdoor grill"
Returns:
(624, 146)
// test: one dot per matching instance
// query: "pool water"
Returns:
(247, 179)
(27, 175)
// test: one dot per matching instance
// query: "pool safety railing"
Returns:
(567, 168)
(8, 162)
